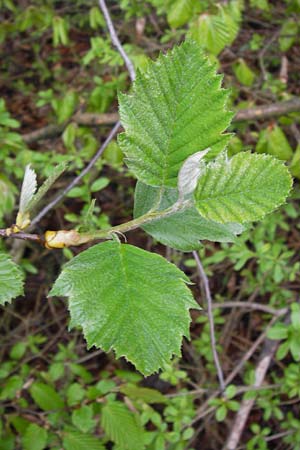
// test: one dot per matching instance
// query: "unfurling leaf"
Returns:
(190, 172)
(28, 189)
(242, 189)
(128, 300)
(11, 279)
(176, 109)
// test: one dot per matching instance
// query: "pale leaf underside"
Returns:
(128, 300)
(176, 109)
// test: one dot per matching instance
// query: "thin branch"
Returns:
(116, 40)
(247, 305)
(94, 119)
(266, 356)
(113, 132)
(76, 180)
(23, 236)
(205, 282)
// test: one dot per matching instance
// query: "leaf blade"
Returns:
(175, 109)
(133, 310)
(11, 279)
(243, 189)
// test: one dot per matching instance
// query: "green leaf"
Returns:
(176, 108)
(35, 438)
(146, 395)
(242, 189)
(129, 300)
(11, 279)
(82, 418)
(273, 141)
(180, 12)
(46, 397)
(221, 413)
(243, 72)
(122, 426)
(75, 393)
(278, 331)
(214, 31)
(288, 34)
(184, 229)
(74, 440)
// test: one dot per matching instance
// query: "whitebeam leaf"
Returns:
(243, 189)
(128, 300)
(182, 230)
(11, 279)
(176, 109)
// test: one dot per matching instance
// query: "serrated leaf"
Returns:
(57, 171)
(176, 108)
(35, 438)
(46, 397)
(129, 300)
(122, 426)
(273, 141)
(183, 230)
(82, 418)
(28, 189)
(74, 440)
(214, 31)
(11, 279)
(179, 12)
(190, 172)
(242, 189)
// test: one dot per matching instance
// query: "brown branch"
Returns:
(94, 119)
(268, 111)
(6, 233)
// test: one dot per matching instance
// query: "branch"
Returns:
(205, 281)
(115, 39)
(268, 111)
(248, 305)
(266, 356)
(76, 180)
(113, 132)
(94, 119)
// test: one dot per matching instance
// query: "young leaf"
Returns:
(176, 109)
(184, 229)
(122, 426)
(74, 440)
(129, 300)
(28, 189)
(35, 438)
(190, 172)
(11, 279)
(57, 171)
(242, 189)
(46, 397)
(180, 12)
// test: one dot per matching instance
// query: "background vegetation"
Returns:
(60, 78)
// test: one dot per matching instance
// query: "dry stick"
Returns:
(241, 418)
(247, 305)
(94, 119)
(266, 356)
(205, 281)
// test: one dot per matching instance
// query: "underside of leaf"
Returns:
(176, 108)
(128, 300)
